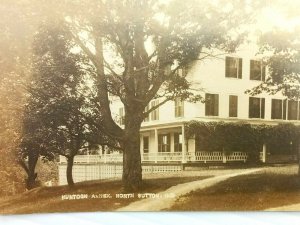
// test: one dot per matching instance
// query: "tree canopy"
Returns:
(135, 49)
(282, 56)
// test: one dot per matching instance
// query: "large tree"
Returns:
(137, 48)
(60, 117)
(53, 122)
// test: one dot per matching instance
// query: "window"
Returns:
(146, 119)
(177, 142)
(179, 108)
(257, 70)
(278, 109)
(256, 107)
(182, 71)
(233, 67)
(293, 110)
(146, 144)
(211, 104)
(164, 143)
(233, 106)
(155, 113)
(122, 116)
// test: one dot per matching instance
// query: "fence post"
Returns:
(264, 156)
(224, 157)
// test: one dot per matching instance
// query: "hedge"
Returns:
(244, 137)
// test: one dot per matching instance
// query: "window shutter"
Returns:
(251, 69)
(227, 66)
(240, 67)
(233, 103)
(250, 107)
(255, 107)
(262, 108)
(284, 109)
(207, 104)
(273, 110)
(292, 110)
(216, 105)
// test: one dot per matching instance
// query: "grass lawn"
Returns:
(274, 187)
(49, 199)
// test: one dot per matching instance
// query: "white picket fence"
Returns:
(86, 172)
(163, 157)
(97, 167)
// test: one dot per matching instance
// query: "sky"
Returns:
(282, 14)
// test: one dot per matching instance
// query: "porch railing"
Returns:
(163, 157)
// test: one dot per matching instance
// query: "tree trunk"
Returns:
(70, 161)
(132, 167)
(32, 175)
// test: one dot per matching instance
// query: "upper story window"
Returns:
(278, 110)
(293, 110)
(164, 143)
(256, 107)
(179, 108)
(155, 113)
(211, 104)
(257, 70)
(233, 106)
(122, 116)
(233, 67)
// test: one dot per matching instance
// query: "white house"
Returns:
(224, 81)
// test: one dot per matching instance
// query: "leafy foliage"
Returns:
(53, 122)
(283, 60)
(244, 137)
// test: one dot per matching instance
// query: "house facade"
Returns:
(223, 81)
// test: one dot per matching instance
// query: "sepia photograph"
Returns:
(149, 105)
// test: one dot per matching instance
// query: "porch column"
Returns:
(264, 153)
(156, 144)
(183, 145)
(141, 147)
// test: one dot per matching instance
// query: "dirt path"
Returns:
(157, 204)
